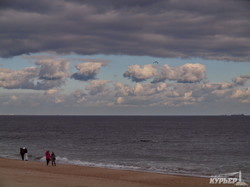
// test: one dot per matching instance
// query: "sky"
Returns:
(124, 57)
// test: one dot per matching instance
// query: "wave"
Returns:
(154, 169)
(65, 160)
(142, 166)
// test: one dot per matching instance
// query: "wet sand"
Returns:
(17, 173)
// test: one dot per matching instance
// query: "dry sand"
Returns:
(15, 173)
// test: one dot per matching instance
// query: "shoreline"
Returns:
(30, 173)
(92, 165)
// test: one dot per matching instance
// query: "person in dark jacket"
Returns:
(53, 159)
(24, 153)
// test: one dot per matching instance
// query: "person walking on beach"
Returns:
(48, 157)
(53, 159)
(24, 153)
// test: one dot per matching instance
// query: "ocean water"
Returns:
(185, 145)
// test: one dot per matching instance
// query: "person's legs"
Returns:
(53, 163)
(47, 161)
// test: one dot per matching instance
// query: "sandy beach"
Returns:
(16, 173)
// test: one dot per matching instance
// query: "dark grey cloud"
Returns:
(217, 29)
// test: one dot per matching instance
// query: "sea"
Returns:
(183, 145)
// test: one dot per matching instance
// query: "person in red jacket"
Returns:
(47, 155)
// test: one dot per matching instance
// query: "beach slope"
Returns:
(15, 173)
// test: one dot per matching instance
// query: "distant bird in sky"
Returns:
(155, 62)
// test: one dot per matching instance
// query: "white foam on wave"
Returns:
(151, 168)
(65, 160)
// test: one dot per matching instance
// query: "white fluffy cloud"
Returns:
(23, 79)
(158, 94)
(241, 80)
(51, 92)
(96, 87)
(87, 71)
(140, 89)
(53, 69)
(169, 86)
(140, 73)
(48, 74)
(186, 73)
(241, 93)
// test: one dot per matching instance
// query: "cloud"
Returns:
(22, 79)
(97, 87)
(113, 95)
(205, 29)
(48, 74)
(158, 94)
(51, 92)
(140, 73)
(80, 96)
(53, 69)
(53, 73)
(177, 94)
(87, 71)
(119, 100)
(13, 98)
(122, 90)
(187, 73)
(241, 93)
(241, 80)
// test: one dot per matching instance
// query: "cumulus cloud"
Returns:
(53, 69)
(51, 92)
(22, 79)
(158, 94)
(185, 73)
(52, 73)
(119, 100)
(215, 29)
(241, 80)
(140, 73)
(48, 74)
(105, 93)
(13, 98)
(96, 87)
(80, 96)
(188, 73)
(87, 71)
(122, 90)
(241, 93)
(177, 94)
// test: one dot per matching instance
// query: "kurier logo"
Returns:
(228, 178)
